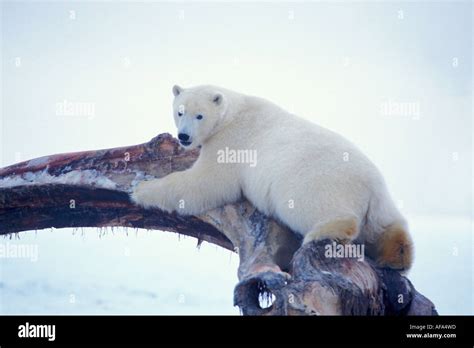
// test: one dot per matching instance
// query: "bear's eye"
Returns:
(199, 117)
(180, 113)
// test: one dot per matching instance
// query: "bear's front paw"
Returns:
(149, 194)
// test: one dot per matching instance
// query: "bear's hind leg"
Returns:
(344, 230)
(394, 248)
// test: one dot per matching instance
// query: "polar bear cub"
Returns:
(305, 176)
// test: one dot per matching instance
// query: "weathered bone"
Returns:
(90, 189)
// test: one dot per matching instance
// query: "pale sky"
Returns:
(393, 77)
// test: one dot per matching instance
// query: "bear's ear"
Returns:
(217, 98)
(177, 90)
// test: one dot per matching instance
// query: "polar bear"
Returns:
(309, 178)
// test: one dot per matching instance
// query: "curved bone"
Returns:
(90, 189)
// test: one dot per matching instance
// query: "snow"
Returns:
(151, 272)
(444, 265)
(117, 272)
(140, 176)
(74, 177)
(40, 161)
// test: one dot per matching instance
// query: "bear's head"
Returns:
(198, 112)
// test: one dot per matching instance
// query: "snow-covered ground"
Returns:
(149, 272)
(352, 67)
(146, 272)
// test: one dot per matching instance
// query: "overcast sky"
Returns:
(341, 65)
(395, 78)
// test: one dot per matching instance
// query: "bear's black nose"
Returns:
(183, 137)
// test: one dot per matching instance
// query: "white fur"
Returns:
(305, 175)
